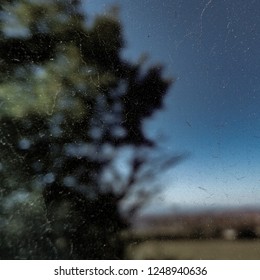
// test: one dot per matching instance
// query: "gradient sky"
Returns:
(211, 47)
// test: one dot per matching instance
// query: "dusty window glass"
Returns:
(129, 130)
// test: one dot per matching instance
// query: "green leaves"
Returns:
(66, 98)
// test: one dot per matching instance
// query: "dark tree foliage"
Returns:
(69, 103)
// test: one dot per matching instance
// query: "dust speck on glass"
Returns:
(129, 129)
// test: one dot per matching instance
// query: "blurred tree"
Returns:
(69, 104)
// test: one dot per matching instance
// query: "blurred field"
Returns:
(214, 249)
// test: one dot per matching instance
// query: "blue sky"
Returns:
(212, 49)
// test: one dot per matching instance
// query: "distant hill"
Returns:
(217, 223)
